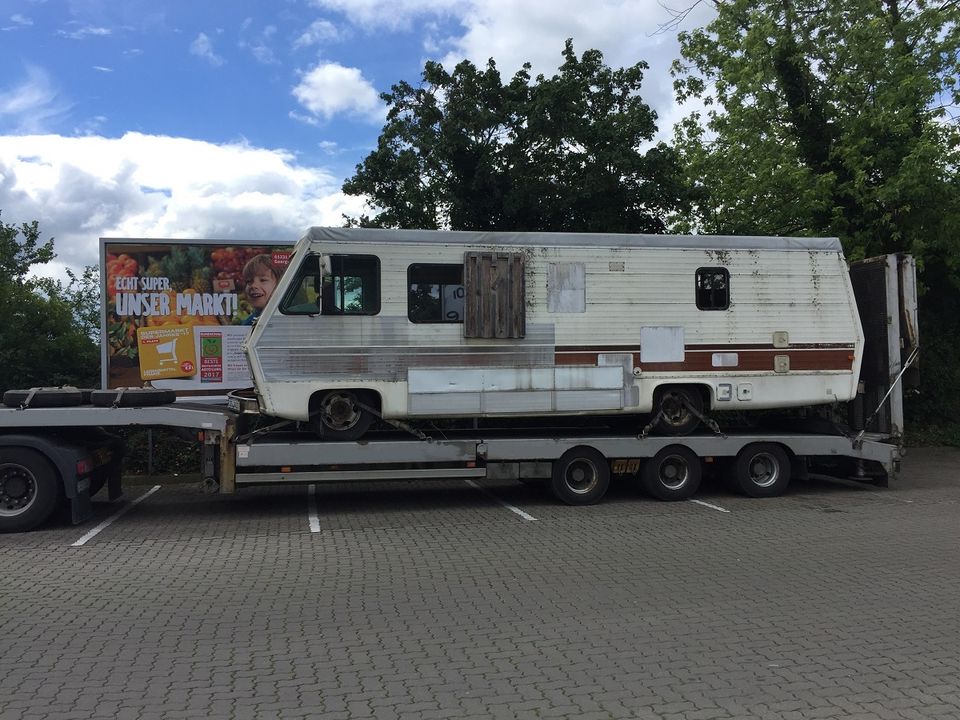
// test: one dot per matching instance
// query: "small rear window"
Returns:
(713, 288)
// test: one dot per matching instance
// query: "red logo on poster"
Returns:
(186, 366)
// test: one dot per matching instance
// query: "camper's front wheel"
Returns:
(679, 408)
(339, 415)
(581, 476)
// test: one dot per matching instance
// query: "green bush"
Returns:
(172, 453)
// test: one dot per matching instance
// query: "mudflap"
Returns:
(81, 507)
(115, 483)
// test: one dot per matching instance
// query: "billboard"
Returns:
(176, 312)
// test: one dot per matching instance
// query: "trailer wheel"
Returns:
(674, 473)
(29, 489)
(340, 416)
(581, 476)
(674, 403)
(762, 470)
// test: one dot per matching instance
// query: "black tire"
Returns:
(762, 470)
(337, 416)
(677, 418)
(132, 397)
(674, 473)
(44, 397)
(581, 476)
(29, 489)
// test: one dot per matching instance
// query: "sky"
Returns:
(240, 119)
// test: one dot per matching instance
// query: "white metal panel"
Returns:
(518, 402)
(566, 288)
(584, 400)
(661, 344)
(585, 377)
(454, 380)
(440, 404)
(725, 359)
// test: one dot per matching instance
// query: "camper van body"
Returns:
(472, 324)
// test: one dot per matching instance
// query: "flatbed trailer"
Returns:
(62, 456)
(51, 456)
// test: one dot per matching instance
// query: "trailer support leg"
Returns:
(227, 478)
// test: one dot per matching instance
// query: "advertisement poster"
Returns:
(177, 313)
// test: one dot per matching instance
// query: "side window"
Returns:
(304, 294)
(713, 288)
(349, 286)
(435, 293)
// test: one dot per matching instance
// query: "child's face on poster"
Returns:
(260, 288)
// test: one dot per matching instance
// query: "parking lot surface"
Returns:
(450, 600)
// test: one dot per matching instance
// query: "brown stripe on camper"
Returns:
(699, 358)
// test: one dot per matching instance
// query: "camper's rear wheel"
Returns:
(762, 470)
(339, 415)
(675, 406)
(581, 476)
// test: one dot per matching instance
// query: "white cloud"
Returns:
(259, 46)
(101, 68)
(305, 119)
(27, 107)
(320, 31)
(78, 31)
(84, 188)
(19, 23)
(393, 14)
(202, 47)
(626, 32)
(512, 33)
(331, 89)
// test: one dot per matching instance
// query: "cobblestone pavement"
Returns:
(417, 600)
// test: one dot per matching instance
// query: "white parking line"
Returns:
(313, 516)
(712, 507)
(119, 513)
(508, 506)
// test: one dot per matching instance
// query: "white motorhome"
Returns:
(436, 324)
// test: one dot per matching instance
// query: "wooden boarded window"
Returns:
(495, 295)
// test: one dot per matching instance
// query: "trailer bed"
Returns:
(578, 461)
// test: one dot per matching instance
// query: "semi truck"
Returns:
(58, 446)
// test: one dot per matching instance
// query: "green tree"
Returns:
(571, 152)
(826, 118)
(46, 335)
(835, 118)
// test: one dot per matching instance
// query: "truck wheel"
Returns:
(674, 403)
(674, 473)
(44, 397)
(132, 397)
(29, 489)
(762, 470)
(339, 416)
(581, 476)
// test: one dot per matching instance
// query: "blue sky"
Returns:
(242, 119)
